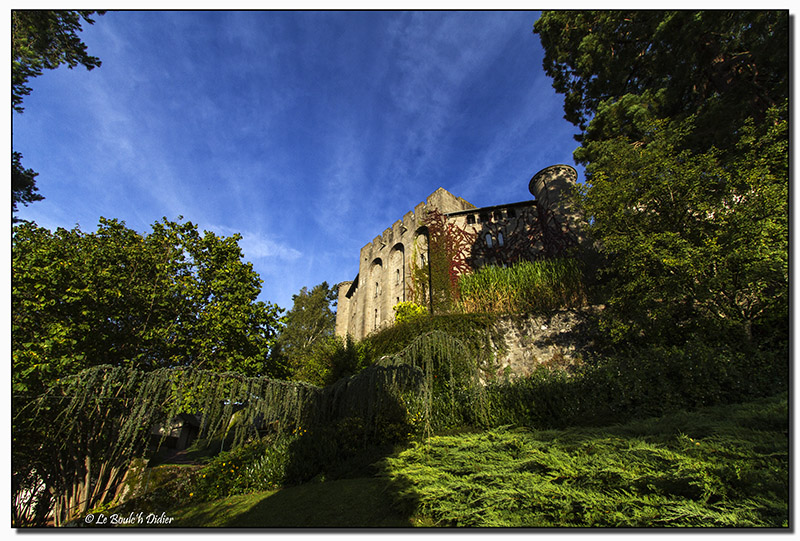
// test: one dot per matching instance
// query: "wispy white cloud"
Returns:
(256, 245)
(437, 57)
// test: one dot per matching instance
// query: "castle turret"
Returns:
(553, 188)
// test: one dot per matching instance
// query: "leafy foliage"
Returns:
(171, 298)
(23, 184)
(254, 467)
(692, 242)
(434, 282)
(44, 40)
(78, 438)
(724, 468)
(306, 340)
(620, 71)
(652, 381)
(332, 359)
(475, 331)
(685, 139)
(407, 311)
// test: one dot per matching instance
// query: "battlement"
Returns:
(440, 199)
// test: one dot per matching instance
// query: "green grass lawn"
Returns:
(352, 503)
(719, 467)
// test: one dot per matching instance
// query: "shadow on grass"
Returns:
(351, 494)
(346, 503)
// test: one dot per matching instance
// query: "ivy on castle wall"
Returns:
(435, 283)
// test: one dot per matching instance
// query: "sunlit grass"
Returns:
(528, 286)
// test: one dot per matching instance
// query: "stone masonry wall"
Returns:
(556, 341)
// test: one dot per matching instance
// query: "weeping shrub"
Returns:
(476, 332)
(89, 427)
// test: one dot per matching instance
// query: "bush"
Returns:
(408, 311)
(331, 360)
(257, 466)
(343, 449)
(476, 331)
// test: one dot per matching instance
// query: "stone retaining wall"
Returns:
(557, 341)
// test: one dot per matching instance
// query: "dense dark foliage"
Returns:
(621, 70)
(684, 134)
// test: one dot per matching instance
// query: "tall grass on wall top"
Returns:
(527, 287)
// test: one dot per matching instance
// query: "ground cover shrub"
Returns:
(526, 287)
(719, 467)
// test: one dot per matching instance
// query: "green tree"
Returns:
(684, 133)
(174, 297)
(694, 243)
(310, 325)
(41, 40)
(621, 70)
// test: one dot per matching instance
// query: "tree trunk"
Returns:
(87, 485)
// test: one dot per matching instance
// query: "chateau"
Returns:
(497, 235)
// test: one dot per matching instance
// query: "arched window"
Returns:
(499, 239)
(488, 240)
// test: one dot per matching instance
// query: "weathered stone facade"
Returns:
(497, 235)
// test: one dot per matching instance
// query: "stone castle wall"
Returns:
(498, 235)
(383, 279)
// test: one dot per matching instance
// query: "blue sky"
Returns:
(308, 133)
